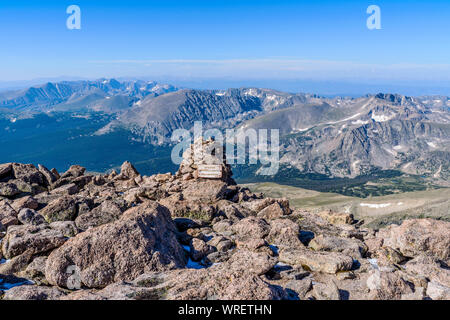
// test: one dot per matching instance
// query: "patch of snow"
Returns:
(300, 129)
(251, 92)
(375, 205)
(13, 120)
(437, 174)
(354, 164)
(432, 144)
(381, 117)
(220, 94)
(400, 203)
(359, 122)
(399, 147)
(374, 263)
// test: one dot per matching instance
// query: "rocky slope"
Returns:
(126, 236)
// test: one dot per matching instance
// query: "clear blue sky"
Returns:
(231, 39)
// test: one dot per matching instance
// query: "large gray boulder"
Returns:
(142, 240)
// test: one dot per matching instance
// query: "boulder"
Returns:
(387, 286)
(16, 264)
(437, 291)
(30, 292)
(67, 228)
(415, 236)
(30, 238)
(199, 249)
(284, 233)
(61, 209)
(196, 210)
(232, 280)
(9, 189)
(251, 228)
(5, 170)
(36, 270)
(142, 240)
(30, 216)
(430, 268)
(66, 190)
(231, 210)
(331, 262)
(351, 247)
(73, 172)
(48, 175)
(127, 170)
(326, 291)
(273, 211)
(107, 212)
(8, 216)
(211, 190)
(25, 202)
(27, 173)
(300, 287)
(337, 218)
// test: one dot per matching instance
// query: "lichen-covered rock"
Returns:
(9, 189)
(252, 228)
(127, 171)
(32, 239)
(25, 202)
(142, 240)
(27, 173)
(416, 236)
(8, 216)
(199, 249)
(326, 291)
(329, 262)
(284, 233)
(48, 175)
(30, 216)
(107, 212)
(352, 247)
(387, 285)
(31, 292)
(61, 209)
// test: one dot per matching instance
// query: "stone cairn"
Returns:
(204, 153)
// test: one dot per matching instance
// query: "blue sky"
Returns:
(247, 39)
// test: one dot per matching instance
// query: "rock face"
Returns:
(142, 240)
(183, 236)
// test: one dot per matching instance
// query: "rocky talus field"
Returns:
(163, 237)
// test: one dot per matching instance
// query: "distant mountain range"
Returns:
(336, 138)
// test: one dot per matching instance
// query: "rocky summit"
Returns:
(75, 235)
